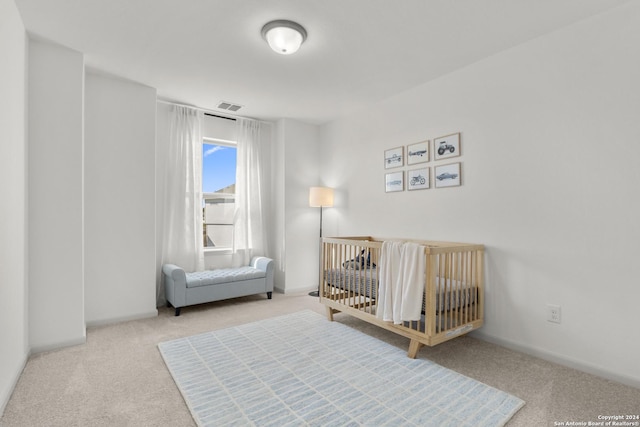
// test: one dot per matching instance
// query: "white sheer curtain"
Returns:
(249, 238)
(182, 211)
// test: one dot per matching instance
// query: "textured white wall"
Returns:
(278, 208)
(120, 272)
(550, 135)
(301, 224)
(14, 344)
(56, 298)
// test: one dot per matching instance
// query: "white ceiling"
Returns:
(358, 52)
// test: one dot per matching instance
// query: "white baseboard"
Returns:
(301, 290)
(59, 345)
(13, 382)
(559, 359)
(113, 320)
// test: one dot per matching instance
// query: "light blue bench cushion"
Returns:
(223, 275)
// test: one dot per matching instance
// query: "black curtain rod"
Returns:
(220, 117)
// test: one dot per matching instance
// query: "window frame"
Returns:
(225, 143)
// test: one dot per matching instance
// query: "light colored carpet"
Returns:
(301, 369)
(118, 378)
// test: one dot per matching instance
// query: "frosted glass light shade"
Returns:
(320, 197)
(284, 37)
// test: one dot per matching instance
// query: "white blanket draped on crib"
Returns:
(401, 286)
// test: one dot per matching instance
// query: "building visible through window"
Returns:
(218, 192)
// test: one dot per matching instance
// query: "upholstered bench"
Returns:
(184, 289)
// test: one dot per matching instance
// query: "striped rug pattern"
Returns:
(302, 370)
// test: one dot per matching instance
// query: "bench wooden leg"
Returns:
(414, 347)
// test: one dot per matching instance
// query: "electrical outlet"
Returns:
(553, 313)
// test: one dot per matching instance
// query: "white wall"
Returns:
(550, 135)
(297, 225)
(56, 299)
(120, 275)
(277, 243)
(14, 344)
(219, 128)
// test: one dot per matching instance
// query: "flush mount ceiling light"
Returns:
(284, 37)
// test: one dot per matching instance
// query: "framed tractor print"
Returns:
(446, 146)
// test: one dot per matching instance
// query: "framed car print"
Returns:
(394, 182)
(394, 158)
(446, 146)
(447, 175)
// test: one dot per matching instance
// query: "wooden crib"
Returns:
(453, 299)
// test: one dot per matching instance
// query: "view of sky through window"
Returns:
(218, 167)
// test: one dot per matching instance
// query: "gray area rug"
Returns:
(302, 370)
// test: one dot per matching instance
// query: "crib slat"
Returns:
(448, 291)
(480, 276)
(454, 290)
(467, 292)
(460, 289)
(340, 267)
(356, 285)
(430, 303)
(470, 288)
(452, 293)
(439, 290)
(476, 306)
(461, 286)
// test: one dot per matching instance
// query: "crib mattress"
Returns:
(364, 282)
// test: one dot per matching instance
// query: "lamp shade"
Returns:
(284, 37)
(320, 197)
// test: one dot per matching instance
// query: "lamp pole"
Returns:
(320, 197)
(317, 293)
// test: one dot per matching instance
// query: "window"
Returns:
(218, 192)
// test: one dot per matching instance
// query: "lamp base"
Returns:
(314, 294)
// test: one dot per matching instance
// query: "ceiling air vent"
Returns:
(224, 105)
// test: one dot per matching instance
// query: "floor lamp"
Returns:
(320, 197)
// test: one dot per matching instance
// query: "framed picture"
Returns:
(418, 179)
(394, 158)
(394, 182)
(447, 175)
(418, 153)
(446, 146)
